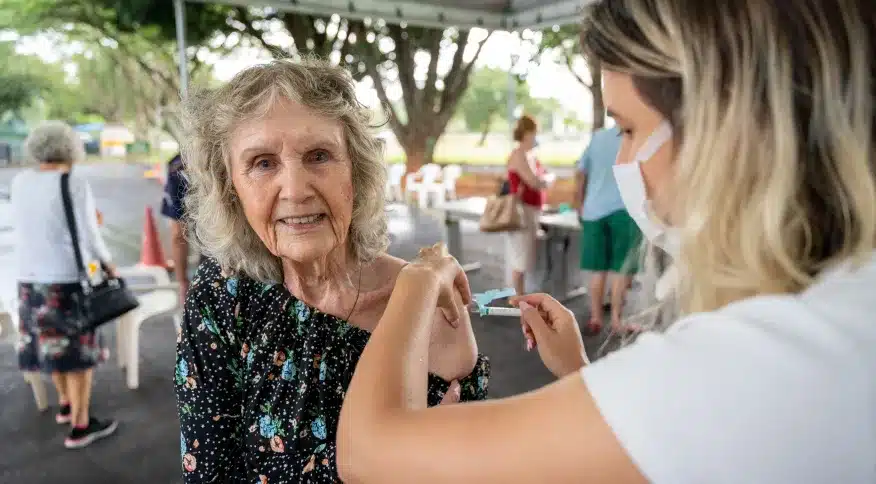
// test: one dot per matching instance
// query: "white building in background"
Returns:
(114, 139)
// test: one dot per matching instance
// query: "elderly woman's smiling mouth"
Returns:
(301, 224)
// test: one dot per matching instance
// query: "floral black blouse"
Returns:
(260, 378)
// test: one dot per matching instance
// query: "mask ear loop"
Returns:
(659, 137)
(655, 141)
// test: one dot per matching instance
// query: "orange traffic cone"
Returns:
(150, 252)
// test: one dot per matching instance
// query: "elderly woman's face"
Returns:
(293, 176)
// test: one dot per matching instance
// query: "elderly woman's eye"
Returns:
(263, 163)
(319, 156)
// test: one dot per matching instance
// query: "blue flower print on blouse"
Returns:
(182, 372)
(318, 428)
(182, 444)
(289, 370)
(302, 311)
(260, 378)
(323, 370)
(267, 427)
(231, 286)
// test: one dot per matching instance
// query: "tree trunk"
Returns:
(419, 150)
(486, 130)
(171, 122)
(596, 91)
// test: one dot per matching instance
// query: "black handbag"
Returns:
(99, 303)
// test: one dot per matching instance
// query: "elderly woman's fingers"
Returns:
(461, 283)
(451, 315)
(453, 393)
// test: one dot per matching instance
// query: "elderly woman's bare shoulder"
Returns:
(382, 274)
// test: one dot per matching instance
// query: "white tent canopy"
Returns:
(487, 14)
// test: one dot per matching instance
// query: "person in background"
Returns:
(49, 283)
(527, 180)
(749, 155)
(609, 236)
(173, 208)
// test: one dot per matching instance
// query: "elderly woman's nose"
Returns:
(295, 180)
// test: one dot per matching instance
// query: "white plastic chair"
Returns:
(395, 173)
(449, 177)
(428, 176)
(9, 335)
(159, 298)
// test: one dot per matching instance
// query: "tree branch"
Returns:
(455, 68)
(405, 63)
(398, 128)
(430, 89)
(452, 94)
(252, 32)
(300, 27)
(570, 64)
(352, 28)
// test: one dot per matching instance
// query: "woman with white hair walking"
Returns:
(49, 283)
(286, 200)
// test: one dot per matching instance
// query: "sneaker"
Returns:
(96, 430)
(64, 414)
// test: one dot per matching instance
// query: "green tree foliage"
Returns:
(125, 61)
(25, 80)
(143, 33)
(390, 54)
(563, 42)
(486, 100)
(18, 91)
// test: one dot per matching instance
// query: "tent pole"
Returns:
(512, 87)
(180, 16)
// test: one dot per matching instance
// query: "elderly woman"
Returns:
(49, 289)
(286, 200)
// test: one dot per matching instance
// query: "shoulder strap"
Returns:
(71, 224)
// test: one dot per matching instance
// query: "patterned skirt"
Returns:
(51, 339)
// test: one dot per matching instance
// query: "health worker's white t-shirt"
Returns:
(769, 390)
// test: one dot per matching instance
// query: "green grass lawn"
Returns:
(464, 149)
(145, 159)
(464, 160)
(453, 148)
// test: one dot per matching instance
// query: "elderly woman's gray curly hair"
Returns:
(54, 142)
(215, 216)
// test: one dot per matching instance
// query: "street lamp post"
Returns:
(512, 87)
(179, 11)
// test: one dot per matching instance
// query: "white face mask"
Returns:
(632, 189)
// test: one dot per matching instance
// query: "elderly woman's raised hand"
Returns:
(435, 265)
(453, 348)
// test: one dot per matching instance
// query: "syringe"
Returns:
(494, 311)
